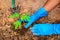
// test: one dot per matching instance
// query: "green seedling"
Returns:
(15, 15)
(25, 17)
(13, 4)
(17, 24)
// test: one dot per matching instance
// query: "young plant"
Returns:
(23, 18)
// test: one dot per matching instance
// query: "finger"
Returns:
(28, 24)
(37, 34)
(34, 27)
(35, 30)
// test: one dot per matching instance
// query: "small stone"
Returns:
(9, 30)
(0, 27)
(15, 33)
(3, 28)
(7, 26)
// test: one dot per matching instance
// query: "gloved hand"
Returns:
(17, 24)
(37, 15)
(45, 29)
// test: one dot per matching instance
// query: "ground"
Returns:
(7, 31)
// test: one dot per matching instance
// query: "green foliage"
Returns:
(17, 24)
(16, 14)
(25, 17)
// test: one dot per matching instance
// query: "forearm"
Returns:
(50, 4)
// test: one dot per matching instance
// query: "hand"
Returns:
(42, 29)
(45, 29)
(17, 24)
(37, 15)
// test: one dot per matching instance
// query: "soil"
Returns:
(7, 31)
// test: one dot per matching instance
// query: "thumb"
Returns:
(28, 24)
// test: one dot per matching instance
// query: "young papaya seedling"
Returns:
(23, 18)
(15, 15)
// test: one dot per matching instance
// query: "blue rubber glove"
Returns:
(37, 15)
(56, 28)
(45, 29)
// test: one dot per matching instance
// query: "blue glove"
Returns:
(45, 29)
(56, 28)
(37, 15)
(20, 20)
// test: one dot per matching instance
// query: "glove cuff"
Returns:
(56, 28)
(42, 12)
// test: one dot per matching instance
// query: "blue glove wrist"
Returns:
(42, 29)
(37, 15)
(56, 28)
